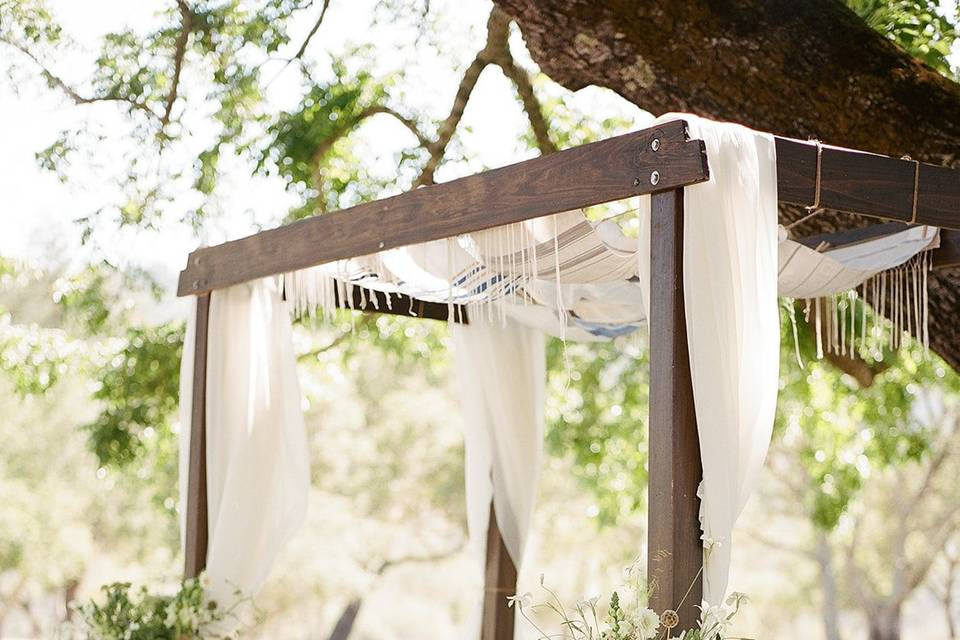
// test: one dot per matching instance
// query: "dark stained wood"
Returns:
(501, 582)
(852, 236)
(851, 181)
(195, 547)
(591, 174)
(948, 255)
(372, 301)
(675, 553)
(867, 184)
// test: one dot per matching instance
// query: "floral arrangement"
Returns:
(628, 617)
(125, 613)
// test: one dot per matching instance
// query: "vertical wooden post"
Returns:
(675, 551)
(501, 581)
(195, 549)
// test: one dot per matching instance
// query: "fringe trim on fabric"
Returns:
(507, 259)
(841, 321)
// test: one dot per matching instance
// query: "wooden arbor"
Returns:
(661, 161)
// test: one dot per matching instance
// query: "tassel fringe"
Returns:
(841, 321)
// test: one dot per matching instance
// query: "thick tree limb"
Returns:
(799, 69)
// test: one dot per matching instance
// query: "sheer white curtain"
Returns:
(502, 378)
(258, 473)
(733, 327)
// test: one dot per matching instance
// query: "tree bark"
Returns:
(799, 69)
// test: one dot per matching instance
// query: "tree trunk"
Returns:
(348, 617)
(799, 69)
(885, 626)
(828, 587)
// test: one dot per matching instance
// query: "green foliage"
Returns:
(87, 299)
(916, 25)
(32, 358)
(597, 416)
(224, 44)
(126, 613)
(28, 21)
(842, 430)
(308, 147)
(139, 389)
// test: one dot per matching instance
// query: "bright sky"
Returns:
(37, 211)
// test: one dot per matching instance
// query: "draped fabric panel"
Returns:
(730, 295)
(258, 474)
(733, 327)
(502, 378)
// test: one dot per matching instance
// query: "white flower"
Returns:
(589, 603)
(715, 620)
(634, 571)
(521, 601)
(646, 622)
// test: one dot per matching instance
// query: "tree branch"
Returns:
(431, 557)
(316, 26)
(438, 148)
(313, 354)
(179, 53)
(497, 33)
(402, 119)
(528, 98)
(59, 83)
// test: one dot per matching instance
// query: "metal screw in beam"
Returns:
(655, 178)
(655, 145)
(381, 245)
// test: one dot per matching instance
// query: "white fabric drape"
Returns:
(733, 329)
(502, 378)
(807, 273)
(258, 474)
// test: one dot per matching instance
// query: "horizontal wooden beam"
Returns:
(584, 176)
(947, 255)
(868, 184)
(613, 169)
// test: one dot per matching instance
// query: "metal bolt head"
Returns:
(196, 284)
(655, 178)
(382, 245)
(636, 182)
(655, 144)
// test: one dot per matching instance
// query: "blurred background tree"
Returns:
(186, 105)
